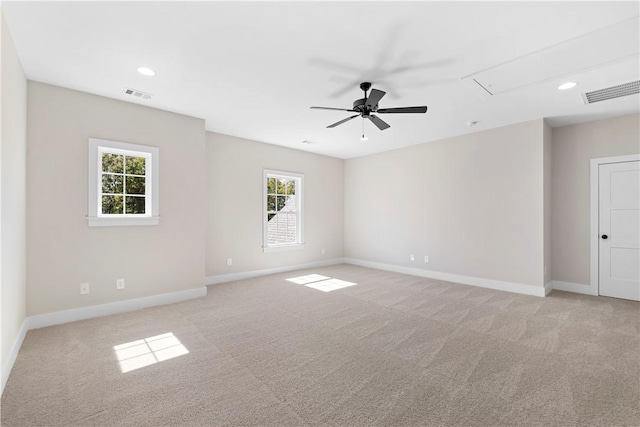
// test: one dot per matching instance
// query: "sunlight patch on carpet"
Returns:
(148, 351)
(330, 285)
(309, 278)
(321, 283)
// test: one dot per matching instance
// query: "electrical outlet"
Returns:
(84, 288)
(426, 259)
(412, 258)
(322, 252)
(120, 284)
(229, 261)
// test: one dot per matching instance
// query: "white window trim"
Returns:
(94, 217)
(300, 231)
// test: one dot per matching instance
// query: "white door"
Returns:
(619, 229)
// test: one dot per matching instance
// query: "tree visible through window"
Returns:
(283, 197)
(123, 184)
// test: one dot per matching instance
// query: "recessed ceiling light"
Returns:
(146, 71)
(567, 85)
(470, 124)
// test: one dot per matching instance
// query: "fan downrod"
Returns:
(359, 104)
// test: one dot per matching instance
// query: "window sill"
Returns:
(282, 248)
(122, 222)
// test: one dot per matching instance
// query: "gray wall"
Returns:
(62, 250)
(473, 204)
(573, 148)
(13, 155)
(234, 176)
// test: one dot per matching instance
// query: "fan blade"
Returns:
(342, 121)
(422, 109)
(382, 125)
(330, 108)
(374, 97)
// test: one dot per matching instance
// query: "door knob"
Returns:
(605, 237)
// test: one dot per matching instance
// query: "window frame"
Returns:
(95, 217)
(299, 178)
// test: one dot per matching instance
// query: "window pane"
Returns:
(112, 163)
(271, 186)
(135, 185)
(271, 203)
(272, 229)
(112, 184)
(282, 183)
(282, 228)
(112, 205)
(290, 204)
(292, 228)
(291, 187)
(287, 228)
(135, 165)
(269, 216)
(135, 204)
(282, 200)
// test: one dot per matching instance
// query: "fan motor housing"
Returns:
(360, 106)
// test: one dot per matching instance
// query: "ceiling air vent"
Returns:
(137, 93)
(612, 92)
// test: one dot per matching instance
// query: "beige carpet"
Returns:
(391, 350)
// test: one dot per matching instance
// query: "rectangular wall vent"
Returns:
(612, 92)
(137, 93)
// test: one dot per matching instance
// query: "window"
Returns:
(123, 184)
(282, 210)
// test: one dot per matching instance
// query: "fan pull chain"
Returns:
(363, 138)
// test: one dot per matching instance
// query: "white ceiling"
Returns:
(253, 69)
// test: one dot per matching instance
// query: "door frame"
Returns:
(594, 285)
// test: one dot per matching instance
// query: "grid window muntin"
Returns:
(147, 182)
(283, 198)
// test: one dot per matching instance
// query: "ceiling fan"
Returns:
(368, 105)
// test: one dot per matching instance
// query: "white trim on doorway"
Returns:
(577, 288)
(594, 219)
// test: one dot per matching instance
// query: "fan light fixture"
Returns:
(146, 71)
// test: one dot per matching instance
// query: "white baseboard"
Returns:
(574, 287)
(90, 312)
(7, 365)
(520, 288)
(222, 278)
(548, 288)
